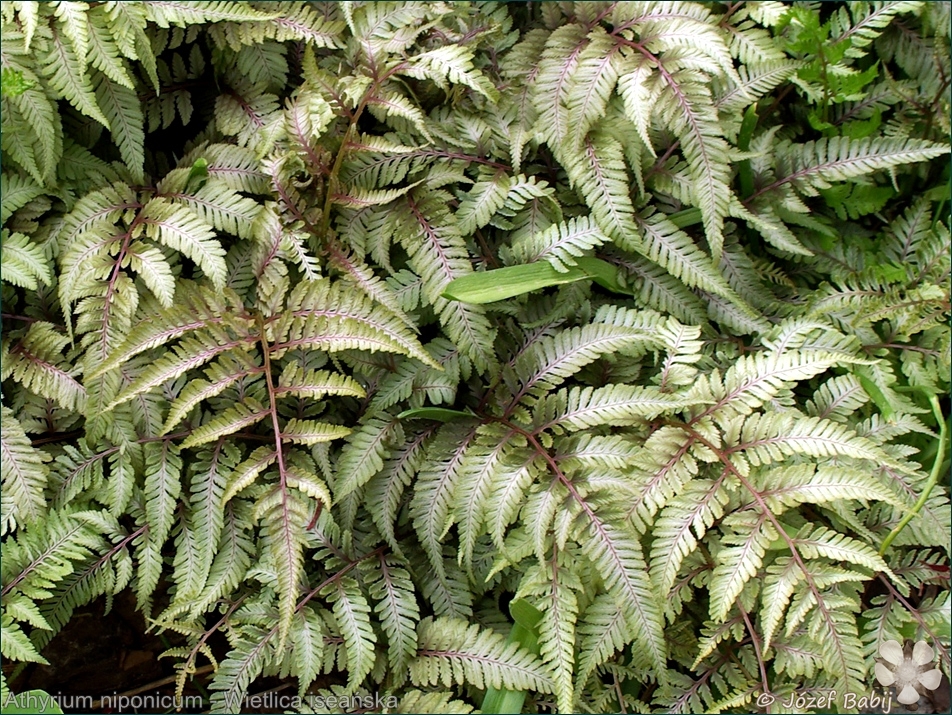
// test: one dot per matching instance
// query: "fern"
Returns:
(242, 380)
(449, 651)
(24, 476)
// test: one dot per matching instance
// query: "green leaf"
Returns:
(12, 84)
(877, 396)
(197, 175)
(440, 414)
(524, 633)
(502, 283)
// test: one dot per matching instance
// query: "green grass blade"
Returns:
(526, 617)
(502, 283)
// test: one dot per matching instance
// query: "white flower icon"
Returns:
(908, 674)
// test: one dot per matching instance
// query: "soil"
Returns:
(101, 655)
(100, 658)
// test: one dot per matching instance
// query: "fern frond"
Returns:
(549, 361)
(66, 73)
(241, 415)
(296, 380)
(447, 593)
(222, 208)
(482, 465)
(771, 227)
(766, 438)
(322, 314)
(15, 644)
(36, 561)
(367, 281)
(189, 353)
(484, 199)
(252, 651)
(450, 63)
(362, 198)
(198, 309)
(598, 172)
(788, 486)
(224, 372)
(553, 81)
(104, 49)
(120, 106)
(236, 167)
(252, 117)
(385, 490)
(683, 521)
(398, 610)
(603, 629)
(163, 467)
(87, 228)
(364, 454)
(182, 14)
(756, 379)
(508, 490)
(288, 21)
(436, 487)
(659, 290)
(394, 107)
(560, 244)
(182, 230)
(452, 651)
(154, 270)
(867, 23)
(24, 475)
(307, 637)
(36, 361)
(820, 541)
(738, 561)
(438, 255)
(23, 262)
(352, 613)
(672, 249)
(592, 84)
(616, 556)
(16, 192)
(783, 577)
(813, 165)
(417, 384)
(908, 232)
(312, 431)
(210, 522)
(834, 629)
(554, 587)
(687, 101)
(283, 515)
(756, 80)
(244, 474)
(580, 408)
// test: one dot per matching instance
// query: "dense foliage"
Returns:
(258, 368)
